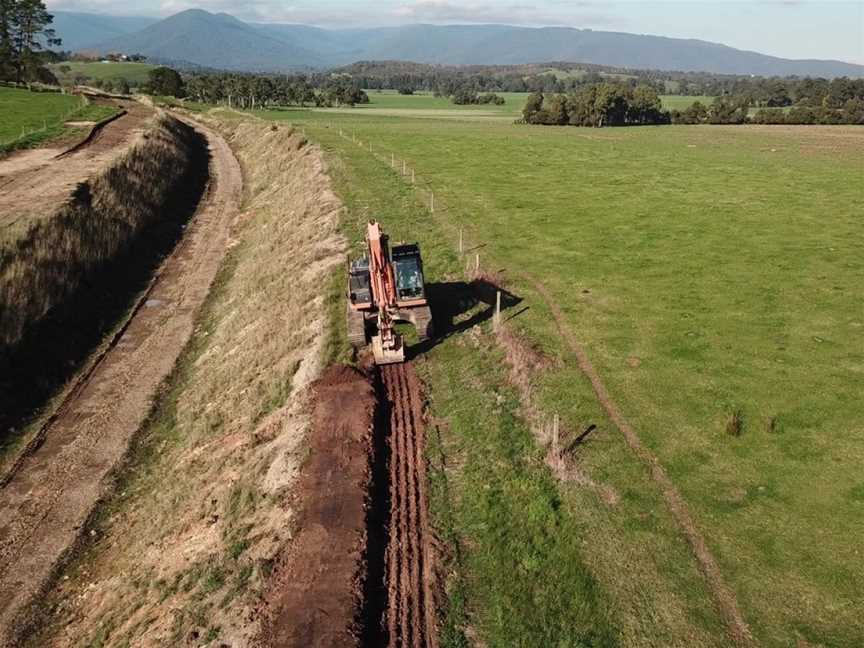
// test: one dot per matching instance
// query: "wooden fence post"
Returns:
(556, 451)
(432, 202)
(496, 321)
(461, 242)
(412, 176)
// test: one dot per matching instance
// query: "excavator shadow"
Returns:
(458, 306)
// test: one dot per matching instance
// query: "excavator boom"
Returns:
(387, 346)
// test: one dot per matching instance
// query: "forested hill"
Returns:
(222, 41)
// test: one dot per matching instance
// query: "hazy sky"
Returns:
(789, 28)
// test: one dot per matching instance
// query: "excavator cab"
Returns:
(359, 286)
(409, 273)
(386, 286)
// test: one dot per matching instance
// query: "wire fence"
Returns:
(548, 426)
(27, 133)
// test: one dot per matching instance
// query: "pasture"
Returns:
(30, 118)
(134, 73)
(714, 277)
(25, 111)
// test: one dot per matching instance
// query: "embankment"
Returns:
(49, 494)
(181, 553)
(66, 281)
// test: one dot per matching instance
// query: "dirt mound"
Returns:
(313, 596)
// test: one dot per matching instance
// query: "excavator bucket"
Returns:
(384, 355)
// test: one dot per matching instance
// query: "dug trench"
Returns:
(360, 572)
(362, 568)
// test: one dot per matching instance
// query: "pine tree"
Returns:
(24, 33)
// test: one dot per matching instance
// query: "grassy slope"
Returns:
(681, 102)
(697, 253)
(224, 435)
(132, 72)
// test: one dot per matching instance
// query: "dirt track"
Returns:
(35, 181)
(46, 501)
(411, 608)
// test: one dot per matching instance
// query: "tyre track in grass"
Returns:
(724, 596)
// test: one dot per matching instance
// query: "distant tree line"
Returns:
(762, 92)
(85, 57)
(25, 32)
(553, 77)
(598, 104)
(615, 104)
(250, 91)
(840, 101)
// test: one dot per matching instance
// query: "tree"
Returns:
(122, 86)
(464, 96)
(30, 27)
(533, 106)
(6, 51)
(165, 81)
(645, 106)
(24, 34)
(556, 110)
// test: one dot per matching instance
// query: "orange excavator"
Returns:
(385, 287)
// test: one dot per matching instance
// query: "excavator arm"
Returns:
(387, 346)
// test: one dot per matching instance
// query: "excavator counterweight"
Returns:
(385, 287)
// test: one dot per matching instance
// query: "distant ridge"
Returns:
(222, 41)
(83, 30)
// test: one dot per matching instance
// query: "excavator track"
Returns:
(410, 617)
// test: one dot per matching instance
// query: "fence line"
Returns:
(25, 132)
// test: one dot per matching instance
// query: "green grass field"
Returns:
(134, 73)
(707, 271)
(34, 117)
(24, 110)
(680, 102)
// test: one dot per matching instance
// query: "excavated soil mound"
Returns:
(313, 597)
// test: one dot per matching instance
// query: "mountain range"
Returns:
(199, 38)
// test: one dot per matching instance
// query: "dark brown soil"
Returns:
(409, 560)
(359, 571)
(313, 597)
